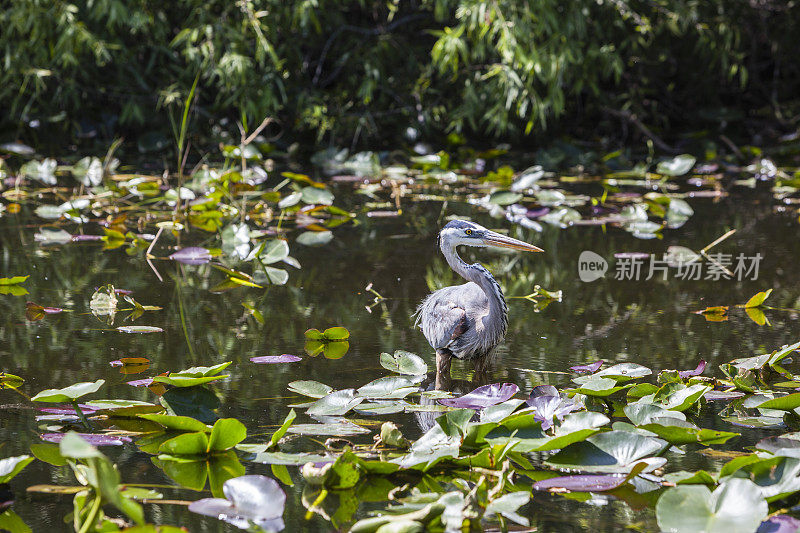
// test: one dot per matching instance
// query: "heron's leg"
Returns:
(443, 358)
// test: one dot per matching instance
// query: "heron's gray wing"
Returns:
(443, 318)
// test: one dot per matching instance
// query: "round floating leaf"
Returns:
(11, 466)
(775, 477)
(178, 380)
(403, 362)
(68, 394)
(335, 404)
(315, 195)
(336, 333)
(701, 366)
(483, 397)
(91, 438)
(315, 238)
(226, 433)
(644, 413)
(678, 432)
(782, 403)
(314, 334)
(179, 423)
(312, 389)
(335, 349)
(601, 387)
(618, 372)
(253, 498)
(192, 255)
(589, 482)
(342, 428)
(758, 299)
(678, 397)
(186, 444)
(139, 329)
(587, 368)
(290, 200)
(10, 381)
(787, 445)
(275, 359)
(274, 250)
(612, 452)
(504, 197)
(736, 506)
(782, 523)
(388, 387)
(680, 255)
(677, 166)
(291, 459)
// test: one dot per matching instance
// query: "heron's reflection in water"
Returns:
(442, 380)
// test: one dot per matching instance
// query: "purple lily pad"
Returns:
(68, 409)
(701, 366)
(145, 382)
(721, 395)
(589, 368)
(275, 359)
(92, 438)
(583, 483)
(193, 255)
(482, 397)
(782, 523)
(548, 407)
(537, 213)
(83, 238)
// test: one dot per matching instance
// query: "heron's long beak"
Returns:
(501, 241)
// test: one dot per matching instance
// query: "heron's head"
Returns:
(464, 233)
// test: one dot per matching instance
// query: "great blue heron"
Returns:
(467, 321)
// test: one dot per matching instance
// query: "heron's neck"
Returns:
(478, 275)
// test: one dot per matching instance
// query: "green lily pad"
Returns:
(402, 362)
(677, 166)
(312, 389)
(611, 452)
(177, 423)
(69, 394)
(335, 404)
(736, 506)
(11, 466)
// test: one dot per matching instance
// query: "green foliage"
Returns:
(371, 68)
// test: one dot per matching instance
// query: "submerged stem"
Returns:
(80, 414)
(91, 518)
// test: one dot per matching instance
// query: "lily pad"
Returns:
(402, 362)
(11, 466)
(69, 394)
(275, 359)
(192, 255)
(611, 452)
(483, 397)
(736, 506)
(335, 404)
(312, 389)
(677, 166)
(249, 499)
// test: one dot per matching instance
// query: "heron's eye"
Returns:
(467, 232)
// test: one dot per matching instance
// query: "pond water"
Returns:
(645, 321)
